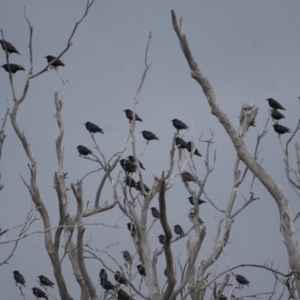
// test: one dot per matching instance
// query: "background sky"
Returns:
(249, 51)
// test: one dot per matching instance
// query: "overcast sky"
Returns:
(249, 51)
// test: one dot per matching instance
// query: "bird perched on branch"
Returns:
(120, 278)
(281, 129)
(181, 143)
(84, 151)
(122, 295)
(186, 177)
(161, 239)
(200, 201)
(9, 47)
(55, 64)
(128, 166)
(148, 135)
(130, 182)
(138, 187)
(155, 213)
(190, 148)
(129, 115)
(242, 280)
(19, 278)
(179, 124)
(45, 281)
(107, 285)
(131, 227)
(13, 68)
(131, 158)
(276, 115)
(178, 230)
(39, 293)
(127, 257)
(275, 104)
(93, 128)
(103, 275)
(141, 270)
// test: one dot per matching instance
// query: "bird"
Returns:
(93, 128)
(129, 115)
(103, 275)
(155, 213)
(276, 115)
(179, 124)
(9, 47)
(148, 135)
(138, 187)
(222, 297)
(19, 278)
(127, 257)
(122, 295)
(13, 68)
(130, 182)
(275, 104)
(128, 166)
(131, 227)
(45, 281)
(55, 64)
(181, 143)
(178, 230)
(281, 129)
(120, 278)
(39, 293)
(141, 270)
(107, 285)
(131, 158)
(186, 177)
(84, 150)
(190, 148)
(200, 201)
(161, 239)
(241, 280)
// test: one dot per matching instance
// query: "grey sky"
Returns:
(249, 50)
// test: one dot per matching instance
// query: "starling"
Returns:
(129, 115)
(274, 104)
(93, 128)
(107, 285)
(19, 278)
(84, 150)
(161, 239)
(45, 281)
(13, 68)
(39, 293)
(222, 297)
(127, 257)
(141, 270)
(55, 64)
(241, 280)
(148, 135)
(120, 278)
(276, 115)
(131, 158)
(186, 177)
(281, 129)
(178, 230)
(179, 125)
(155, 213)
(181, 143)
(103, 275)
(128, 166)
(130, 182)
(190, 148)
(131, 227)
(138, 187)
(9, 47)
(122, 295)
(200, 201)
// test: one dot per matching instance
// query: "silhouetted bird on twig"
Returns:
(55, 64)
(93, 128)
(131, 227)
(281, 129)
(129, 115)
(13, 68)
(222, 297)
(190, 148)
(9, 47)
(181, 143)
(138, 187)
(122, 295)
(242, 280)
(120, 278)
(161, 239)
(149, 136)
(179, 124)
(45, 281)
(276, 115)
(84, 151)
(19, 278)
(186, 177)
(39, 293)
(128, 166)
(155, 213)
(107, 285)
(200, 201)
(127, 257)
(103, 275)
(130, 182)
(274, 104)
(178, 230)
(131, 158)
(141, 270)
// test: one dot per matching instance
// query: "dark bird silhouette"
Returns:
(84, 150)
(179, 124)
(190, 148)
(45, 281)
(155, 213)
(281, 129)
(130, 182)
(19, 278)
(122, 295)
(276, 115)
(161, 239)
(128, 166)
(93, 128)
(274, 104)
(222, 297)
(148, 135)
(242, 280)
(139, 188)
(191, 216)
(13, 68)
(141, 270)
(55, 64)
(103, 275)
(9, 47)
(107, 285)
(39, 293)
(120, 278)
(131, 158)
(131, 227)
(200, 201)
(181, 143)
(129, 115)
(178, 230)
(127, 257)
(186, 177)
